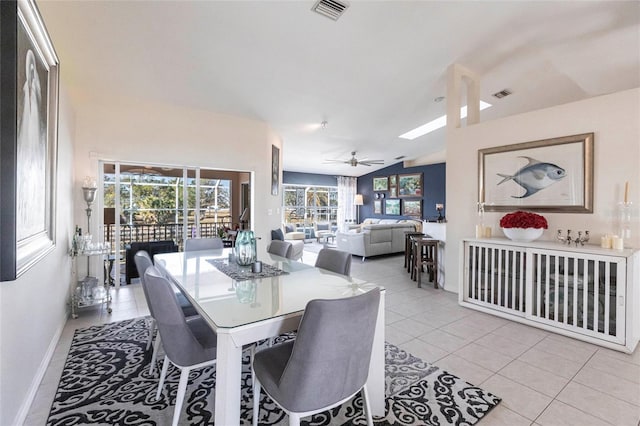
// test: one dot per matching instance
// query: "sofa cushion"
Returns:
(380, 236)
(322, 226)
(387, 221)
(370, 221)
(277, 234)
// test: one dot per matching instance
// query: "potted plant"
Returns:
(523, 226)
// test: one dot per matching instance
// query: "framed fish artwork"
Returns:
(550, 175)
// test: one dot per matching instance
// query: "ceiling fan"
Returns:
(353, 161)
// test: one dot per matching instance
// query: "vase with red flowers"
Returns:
(523, 226)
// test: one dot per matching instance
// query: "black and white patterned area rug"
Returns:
(106, 381)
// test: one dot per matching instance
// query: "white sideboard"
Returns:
(585, 292)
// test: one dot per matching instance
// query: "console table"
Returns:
(584, 292)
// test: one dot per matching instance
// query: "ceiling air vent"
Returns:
(501, 94)
(331, 9)
(400, 157)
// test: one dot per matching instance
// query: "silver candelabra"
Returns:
(568, 239)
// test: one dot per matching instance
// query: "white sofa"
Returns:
(376, 236)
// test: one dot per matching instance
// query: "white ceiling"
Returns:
(372, 75)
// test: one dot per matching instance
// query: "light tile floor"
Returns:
(542, 378)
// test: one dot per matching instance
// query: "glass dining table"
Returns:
(245, 307)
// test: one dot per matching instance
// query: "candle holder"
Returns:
(568, 239)
(480, 222)
(624, 220)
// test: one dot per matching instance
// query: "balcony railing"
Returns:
(161, 232)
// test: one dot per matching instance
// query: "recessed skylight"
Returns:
(437, 123)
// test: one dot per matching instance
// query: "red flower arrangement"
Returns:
(522, 219)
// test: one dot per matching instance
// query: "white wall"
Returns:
(33, 308)
(130, 130)
(615, 121)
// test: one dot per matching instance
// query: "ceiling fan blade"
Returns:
(353, 161)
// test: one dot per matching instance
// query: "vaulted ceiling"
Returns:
(371, 75)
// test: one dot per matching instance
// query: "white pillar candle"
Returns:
(617, 243)
(487, 232)
(479, 231)
(605, 242)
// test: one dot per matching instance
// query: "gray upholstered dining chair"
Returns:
(194, 244)
(280, 248)
(143, 262)
(326, 365)
(337, 261)
(188, 343)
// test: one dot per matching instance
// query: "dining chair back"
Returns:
(143, 261)
(280, 248)
(187, 345)
(327, 364)
(333, 260)
(194, 244)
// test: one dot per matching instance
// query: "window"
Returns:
(306, 205)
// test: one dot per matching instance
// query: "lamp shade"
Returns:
(358, 200)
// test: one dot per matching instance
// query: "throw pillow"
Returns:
(289, 228)
(277, 234)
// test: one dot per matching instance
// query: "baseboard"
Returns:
(23, 412)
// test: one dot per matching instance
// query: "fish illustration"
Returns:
(535, 176)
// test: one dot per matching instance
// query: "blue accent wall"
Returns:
(297, 178)
(433, 181)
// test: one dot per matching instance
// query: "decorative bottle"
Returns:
(245, 249)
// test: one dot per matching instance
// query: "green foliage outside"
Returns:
(159, 199)
(307, 204)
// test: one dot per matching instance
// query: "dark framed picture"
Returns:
(393, 180)
(410, 185)
(28, 134)
(393, 192)
(551, 175)
(275, 169)
(412, 208)
(392, 207)
(380, 183)
(377, 206)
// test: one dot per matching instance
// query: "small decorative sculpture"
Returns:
(577, 240)
(439, 208)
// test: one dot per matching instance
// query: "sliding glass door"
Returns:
(155, 203)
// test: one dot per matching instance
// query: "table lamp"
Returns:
(358, 201)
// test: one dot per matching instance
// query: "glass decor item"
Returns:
(624, 221)
(245, 250)
(480, 221)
